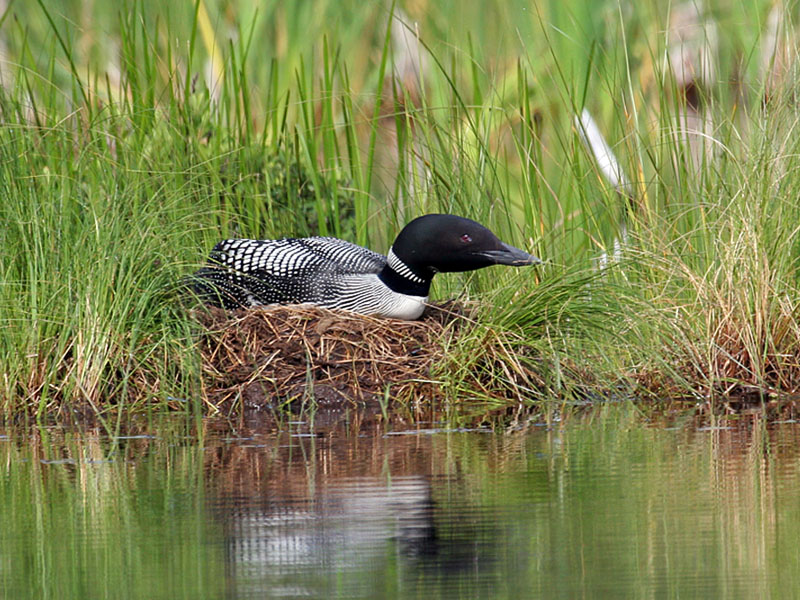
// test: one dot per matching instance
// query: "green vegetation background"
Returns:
(135, 136)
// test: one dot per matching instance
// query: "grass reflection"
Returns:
(81, 520)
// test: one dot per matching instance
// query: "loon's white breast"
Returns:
(366, 294)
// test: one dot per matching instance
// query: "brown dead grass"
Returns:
(273, 356)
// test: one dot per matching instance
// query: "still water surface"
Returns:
(606, 505)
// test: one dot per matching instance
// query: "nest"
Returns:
(274, 356)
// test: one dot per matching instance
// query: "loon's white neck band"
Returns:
(399, 267)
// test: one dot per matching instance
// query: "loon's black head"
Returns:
(447, 244)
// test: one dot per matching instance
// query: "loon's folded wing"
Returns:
(245, 272)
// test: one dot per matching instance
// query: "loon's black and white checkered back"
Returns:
(318, 270)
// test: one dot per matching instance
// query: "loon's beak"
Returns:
(508, 255)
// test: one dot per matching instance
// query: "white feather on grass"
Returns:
(597, 146)
(610, 169)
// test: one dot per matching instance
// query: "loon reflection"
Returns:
(345, 526)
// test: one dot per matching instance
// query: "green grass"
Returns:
(134, 138)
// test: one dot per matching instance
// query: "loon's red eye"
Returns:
(465, 238)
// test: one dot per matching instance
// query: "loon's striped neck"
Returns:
(399, 277)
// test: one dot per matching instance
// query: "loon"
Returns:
(333, 273)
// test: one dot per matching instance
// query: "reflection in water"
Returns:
(607, 504)
(347, 509)
(345, 527)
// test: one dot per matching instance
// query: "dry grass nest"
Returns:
(275, 356)
(291, 355)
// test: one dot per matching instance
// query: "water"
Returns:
(605, 505)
